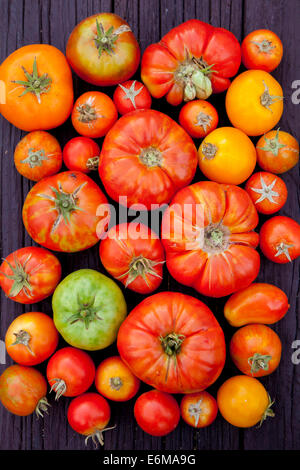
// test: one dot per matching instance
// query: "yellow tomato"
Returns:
(243, 401)
(227, 155)
(254, 102)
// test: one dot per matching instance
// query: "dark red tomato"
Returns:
(199, 409)
(130, 96)
(70, 372)
(81, 154)
(157, 413)
(280, 239)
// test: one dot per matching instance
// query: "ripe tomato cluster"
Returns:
(170, 341)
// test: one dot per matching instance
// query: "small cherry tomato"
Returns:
(280, 239)
(199, 409)
(198, 118)
(277, 151)
(94, 113)
(23, 391)
(157, 413)
(31, 338)
(89, 414)
(38, 155)
(130, 96)
(70, 372)
(115, 381)
(262, 49)
(267, 191)
(243, 401)
(255, 350)
(81, 154)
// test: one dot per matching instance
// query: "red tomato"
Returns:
(255, 350)
(146, 157)
(157, 413)
(89, 414)
(70, 372)
(262, 49)
(280, 239)
(198, 118)
(81, 154)
(199, 409)
(173, 342)
(191, 60)
(31, 338)
(207, 232)
(59, 212)
(23, 391)
(130, 96)
(267, 191)
(134, 254)
(30, 274)
(93, 114)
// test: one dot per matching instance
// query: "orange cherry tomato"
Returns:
(262, 49)
(277, 151)
(267, 191)
(254, 102)
(31, 338)
(81, 154)
(255, 350)
(198, 409)
(115, 381)
(244, 402)
(130, 96)
(38, 155)
(94, 113)
(279, 239)
(258, 303)
(198, 118)
(227, 155)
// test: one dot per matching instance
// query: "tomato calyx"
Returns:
(258, 362)
(209, 150)
(283, 249)
(97, 436)
(195, 411)
(131, 93)
(92, 163)
(216, 238)
(203, 120)
(42, 407)
(140, 266)
(86, 313)
(20, 277)
(35, 158)
(267, 100)
(264, 46)
(35, 84)
(86, 113)
(59, 386)
(115, 383)
(23, 337)
(151, 157)
(268, 412)
(266, 191)
(105, 40)
(192, 75)
(171, 343)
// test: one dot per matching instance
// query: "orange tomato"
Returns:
(254, 102)
(262, 49)
(277, 151)
(198, 409)
(267, 191)
(227, 155)
(38, 87)
(243, 401)
(198, 118)
(94, 113)
(115, 381)
(255, 350)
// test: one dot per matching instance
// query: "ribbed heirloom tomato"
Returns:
(207, 232)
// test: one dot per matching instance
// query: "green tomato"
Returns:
(88, 309)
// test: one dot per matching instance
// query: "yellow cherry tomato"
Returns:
(254, 102)
(227, 155)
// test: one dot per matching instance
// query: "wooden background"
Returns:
(51, 21)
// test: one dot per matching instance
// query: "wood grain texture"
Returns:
(51, 21)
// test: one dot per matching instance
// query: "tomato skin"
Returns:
(106, 69)
(167, 159)
(115, 381)
(25, 112)
(280, 239)
(267, 191)
(255, 350)
(277, 151)
(247, 106)
(21, 389)
(199, 409)
(126, 250)
(40, 269)
(258, 303)
(88, 413)
(81, 154)
(72, 366)
(198, 118)
(164, 316)
(193, 254)
(40, 341)
(262, 49)
(243, 401)
(138, 97)
(157, 413)
(49, 228)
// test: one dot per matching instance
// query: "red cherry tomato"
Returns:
(198, 118)
(280, 239)
(199, 409)
(130, 96)
(81, 154)
(267, 191)
(262, 49)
